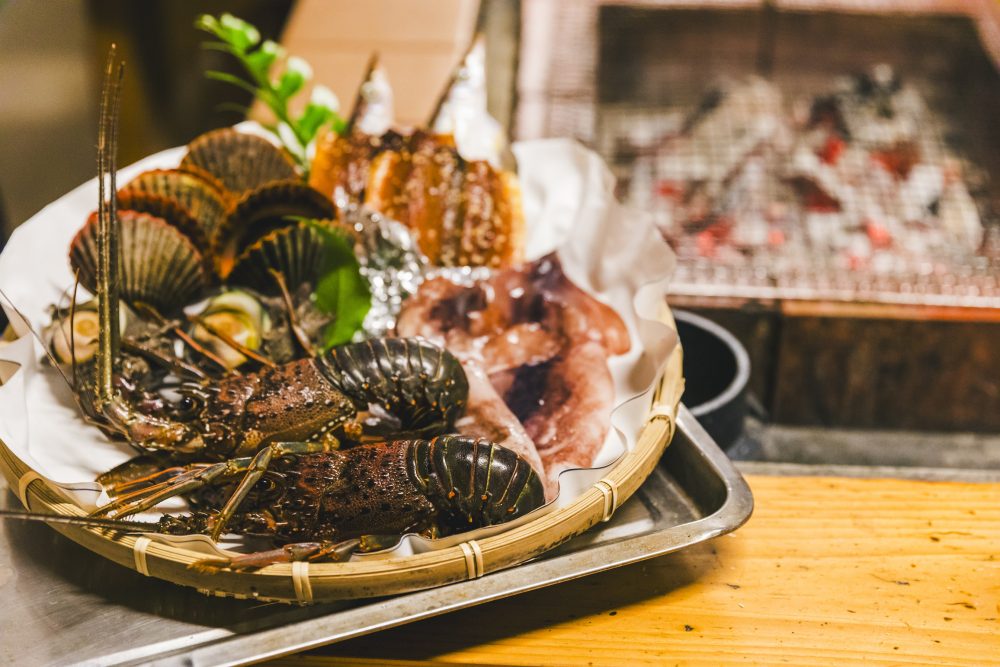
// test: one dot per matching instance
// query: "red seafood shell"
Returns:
(160, 266)
(272, 206)
(198, 192)
(241, 161)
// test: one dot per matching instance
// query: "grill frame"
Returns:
(813, 336)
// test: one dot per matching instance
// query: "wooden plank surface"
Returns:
(827, 571)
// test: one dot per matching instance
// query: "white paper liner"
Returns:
(613, 253)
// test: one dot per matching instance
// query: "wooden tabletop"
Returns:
(828, 571)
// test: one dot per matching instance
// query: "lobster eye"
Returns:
(187, 406)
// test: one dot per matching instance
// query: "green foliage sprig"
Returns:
(342, 291)
(242, 40)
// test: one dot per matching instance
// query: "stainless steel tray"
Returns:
(70, 605)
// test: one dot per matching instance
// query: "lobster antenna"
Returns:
(114, 277)
(116, 524)
(107, 230)
(68, 338)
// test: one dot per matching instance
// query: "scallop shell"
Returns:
(269, 207)
(200, 193)
(297, 252)
(160, 266)
(241, 161)
(168, 209)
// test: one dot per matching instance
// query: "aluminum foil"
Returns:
(392, 264)
(390, 261)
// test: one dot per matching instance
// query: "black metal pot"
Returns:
(716, 372)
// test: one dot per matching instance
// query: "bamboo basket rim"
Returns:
(305, 583)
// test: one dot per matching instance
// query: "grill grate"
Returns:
(851, 194)
(790, 154)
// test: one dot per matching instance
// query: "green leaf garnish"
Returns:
(341, 291)
(242, 41)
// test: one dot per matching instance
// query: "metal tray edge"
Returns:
(339, 626)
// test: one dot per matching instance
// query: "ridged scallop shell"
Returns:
(168, 209)
(160, 266)
(200, 193)
(241, 161)
(263, 210)
(297, 252)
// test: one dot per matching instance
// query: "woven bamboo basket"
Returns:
(304, 583)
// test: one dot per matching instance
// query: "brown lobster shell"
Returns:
(160, 266)
(272, 206)
(241, 161)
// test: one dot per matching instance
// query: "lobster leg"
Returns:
(336, 552)
(129, 486)
(256, 469)
(290, 553)
(192, 479)
(196, 476)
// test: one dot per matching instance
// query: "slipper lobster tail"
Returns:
(422, 384)
(474, 482)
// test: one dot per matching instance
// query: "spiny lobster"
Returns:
(327, 504)
(288, 480)
(417, 383)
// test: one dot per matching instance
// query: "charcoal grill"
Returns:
(887, 339)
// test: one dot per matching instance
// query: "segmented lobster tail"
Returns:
(422, 384)
(474, 482)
